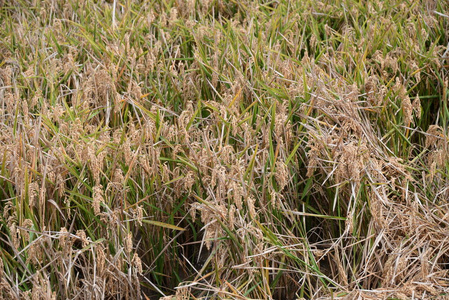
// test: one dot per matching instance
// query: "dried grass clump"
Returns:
(223, 149)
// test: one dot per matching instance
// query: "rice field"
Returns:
(222, 149)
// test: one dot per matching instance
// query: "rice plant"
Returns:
(221, 149)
